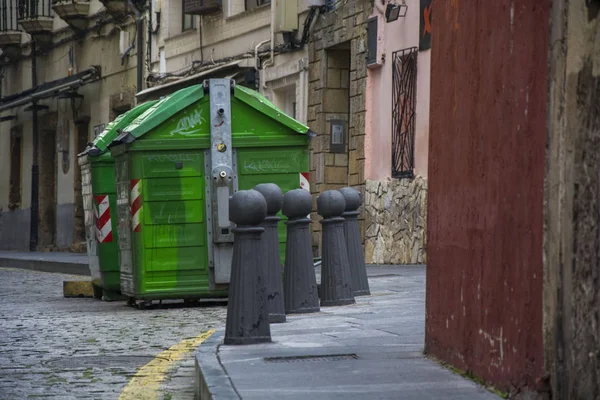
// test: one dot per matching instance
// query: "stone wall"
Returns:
(337, 81)
(572, 203)
(396, 215)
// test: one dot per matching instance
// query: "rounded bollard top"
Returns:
(297, 203)
(273, 195)
(352, 197)
(247, 207)
(331, 203)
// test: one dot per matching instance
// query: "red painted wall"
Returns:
(486, 174)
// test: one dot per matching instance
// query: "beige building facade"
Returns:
(329, 64)
(86, 73)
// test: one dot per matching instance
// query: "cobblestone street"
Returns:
(54, 347)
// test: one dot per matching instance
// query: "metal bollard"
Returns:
(299, 279)
(247, 313)
(270, 239)
(356, 259)
(336, 281)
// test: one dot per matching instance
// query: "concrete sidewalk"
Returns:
(371, 350)
(59, 262)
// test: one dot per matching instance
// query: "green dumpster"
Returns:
(176, 166)
(98, 188)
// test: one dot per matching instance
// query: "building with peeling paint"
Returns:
(513, 288)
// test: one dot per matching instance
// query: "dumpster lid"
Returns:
(168, 106)
(260, 103)
(99, 145)
(160, 111)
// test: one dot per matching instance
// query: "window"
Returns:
(404, 79)
(188, 23)
(285, 99)
(250, 4)
(14, 196)
(290, 104)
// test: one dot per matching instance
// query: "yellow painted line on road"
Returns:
(147, 380)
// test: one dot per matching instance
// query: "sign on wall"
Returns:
(425, 25)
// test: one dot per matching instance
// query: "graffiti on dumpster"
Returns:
(265, 165)
(188, 123)
(174, 157)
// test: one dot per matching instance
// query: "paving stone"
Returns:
(370, 350)
(54, 347)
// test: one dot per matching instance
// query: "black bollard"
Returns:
(272, 260)
(356, 258)
(336, 281)
(247, 312)
(299, 279)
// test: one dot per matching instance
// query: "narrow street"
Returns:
(55, 347)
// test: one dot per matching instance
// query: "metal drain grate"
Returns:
(327, 357)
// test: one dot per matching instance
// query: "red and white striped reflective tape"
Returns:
(102, 217)
(304, 184)
(135, 199)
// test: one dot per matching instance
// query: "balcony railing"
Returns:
(8, 16)
(34, 9)
(10, 32)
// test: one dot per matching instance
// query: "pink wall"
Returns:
(393, 36)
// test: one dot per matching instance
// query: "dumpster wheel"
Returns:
(143, 304)
(97, 292)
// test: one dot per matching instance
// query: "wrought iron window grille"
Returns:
(404, 78)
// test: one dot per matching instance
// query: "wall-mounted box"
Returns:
(375, 56)
(337, 143)
(286, 15)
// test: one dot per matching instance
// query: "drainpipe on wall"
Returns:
(200, 38)
(139, 20)
(33, 221)
(271, 61)
(256, 62)
(149, 44)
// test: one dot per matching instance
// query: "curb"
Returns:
(78, 289)
(212, 381)
(61, 267)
